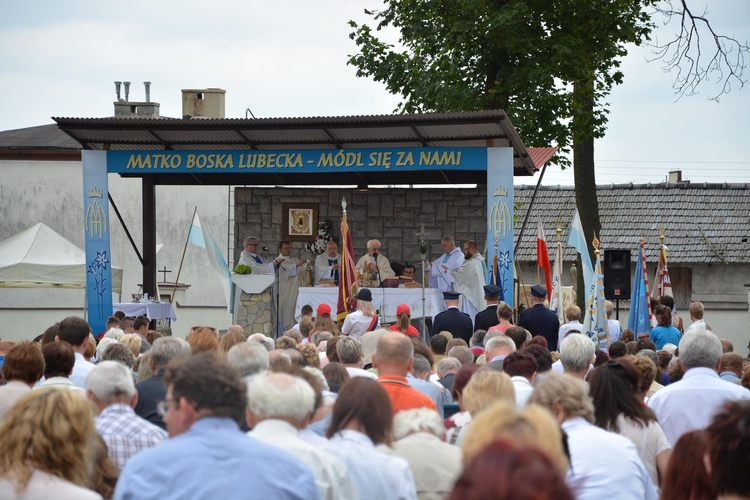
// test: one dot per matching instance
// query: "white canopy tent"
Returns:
(41, 258)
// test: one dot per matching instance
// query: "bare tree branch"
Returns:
(699, 54)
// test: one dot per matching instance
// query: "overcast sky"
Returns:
(288, 58)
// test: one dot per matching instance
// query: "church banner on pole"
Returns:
(500, 218)
(96, 238)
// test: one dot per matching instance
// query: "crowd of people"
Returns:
(373, 411)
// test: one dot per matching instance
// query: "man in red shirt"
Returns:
(394, 358)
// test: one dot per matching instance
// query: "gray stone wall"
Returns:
(255, 314)
(392, 216)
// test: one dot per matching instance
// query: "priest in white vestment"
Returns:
(328, 263)
(375, 263)
(250, 257)
(470, 279)
(441, 275)
(288, 267)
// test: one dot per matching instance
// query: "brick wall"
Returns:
(392, 216)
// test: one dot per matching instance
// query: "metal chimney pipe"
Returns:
(117, 89)
(127, 90)
(148, 91)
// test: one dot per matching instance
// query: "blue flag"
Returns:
(595, 324)
(200, 237)
(577, 240)
(638, 318)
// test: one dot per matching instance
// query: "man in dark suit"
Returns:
(488, 318)
(151, 391)
(453, 320)
(539, 320)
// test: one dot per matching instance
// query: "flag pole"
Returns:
(559, 267)
(422, 234)
(645, 281)
(184, 250)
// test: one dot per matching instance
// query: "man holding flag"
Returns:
(640, 305)
(663, 286)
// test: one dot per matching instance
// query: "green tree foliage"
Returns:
(549, 64)
(522, 56)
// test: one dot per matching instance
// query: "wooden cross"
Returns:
(165, 271)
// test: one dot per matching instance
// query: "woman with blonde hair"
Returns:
(133, 342)
(533, 426)
(311, 354)
(362, 320)
(485, 387)
(573, 315)
(46, 444)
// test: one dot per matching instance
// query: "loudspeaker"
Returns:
(616, 274)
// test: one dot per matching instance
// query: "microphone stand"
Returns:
(380, 283)
(277, 319)
(425, 333)
(377, 269)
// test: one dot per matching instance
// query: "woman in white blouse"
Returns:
(364, 319)
(602, 463)
(618, 409)
(362, 418)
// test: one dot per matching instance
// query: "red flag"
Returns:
(542, 257)
(347, 274)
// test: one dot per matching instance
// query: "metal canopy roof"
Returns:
(465, 129)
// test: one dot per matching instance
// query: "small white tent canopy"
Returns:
(41, 258)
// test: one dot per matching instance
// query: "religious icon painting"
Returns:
(299, 221)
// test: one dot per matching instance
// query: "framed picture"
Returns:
(299, 221)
